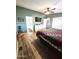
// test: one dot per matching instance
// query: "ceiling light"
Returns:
(49, 11)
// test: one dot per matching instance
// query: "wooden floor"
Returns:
(34, 49)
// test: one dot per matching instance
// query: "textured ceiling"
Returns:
(40, 5)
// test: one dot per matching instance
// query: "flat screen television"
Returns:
(38, 19)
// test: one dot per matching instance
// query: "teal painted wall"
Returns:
(20, 11)
(57, 15)
(23, 12)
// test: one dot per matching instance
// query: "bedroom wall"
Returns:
(53, 16)
(57, 15)
(23, 12)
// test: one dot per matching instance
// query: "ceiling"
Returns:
(40, 5)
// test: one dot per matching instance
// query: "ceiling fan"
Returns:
(49, 11)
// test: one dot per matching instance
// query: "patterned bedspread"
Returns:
(52, 35)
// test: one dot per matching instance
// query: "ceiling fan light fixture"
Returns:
(49, 11)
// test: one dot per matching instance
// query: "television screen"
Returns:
(38, 19)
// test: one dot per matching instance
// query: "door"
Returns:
(29, 23)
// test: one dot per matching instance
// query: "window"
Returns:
(20, 19)
(57, 23)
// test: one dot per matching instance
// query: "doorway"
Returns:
(29, 23)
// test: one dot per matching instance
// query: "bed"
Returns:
(52, 36)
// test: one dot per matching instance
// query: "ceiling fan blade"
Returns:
(54, 9)
(49, 11)
(52, 12)
(45, 11)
